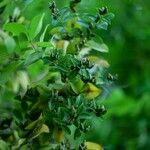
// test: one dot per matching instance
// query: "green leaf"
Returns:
(102, 25)
(39, 130)
(10, 44)
(77, 133)
(56, 30)
(36, 26)
(33, 124)
(15, 28)
(7, 72)
(44, 44)
(109, 17)
(93, 146)
(97, 46)
(33, 58)
(22, 44)
(67, 130)
(18, 115)
(91, 91)
(106, 20)
(23, 79)
(3, 54)
(77, 85)
(4, 145)
(43, 34)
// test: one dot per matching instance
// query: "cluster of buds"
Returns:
(100, 110)
(111, 77)
(84, 127)
(82, 146)
(73, 4)
(101, 11)
(54, 10)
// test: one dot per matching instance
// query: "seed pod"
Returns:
(97, 18)
(103, 11)
(82, 146)
(52, 5)
(73, 4)
(54, 10)
(110, 77)
(100, 111)
(91, 25)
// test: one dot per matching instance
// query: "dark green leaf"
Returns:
(33, 58)
(3, 54)
(102, 25)
(109, 17)
(67, 130)
(77, 133)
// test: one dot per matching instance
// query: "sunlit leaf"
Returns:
(4, 145)
(59, 135)
(32, 125)
(93, 146)
(36, 26)
(56, 30)
(102, 25)
(99, 61)
(77, 85)
(43, 34)
(72, 24)
(44, 44)
(97, 46)
(91, 91)
(23, 79)
(39, 130)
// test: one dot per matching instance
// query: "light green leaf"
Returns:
(102, 25)
(93, 146)
(56, 30)
(15, 28)
(109, 17)
(7, 72)
(23, 79)
(32, 125)
(43, 34)
(44, 44)
(36, 26)
(97, 46)
(4, 145)
(10, 44)
(39, 130)
(77, 85)
(91, 91)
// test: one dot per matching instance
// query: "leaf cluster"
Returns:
(64, 92)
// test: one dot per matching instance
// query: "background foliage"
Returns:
(127, 125)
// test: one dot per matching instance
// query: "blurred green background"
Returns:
(126, 126)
